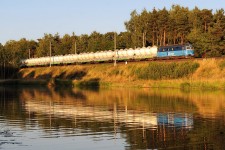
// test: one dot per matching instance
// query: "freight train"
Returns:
(171, 51)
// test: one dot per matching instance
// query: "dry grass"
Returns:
(209, 69)
(209, 75)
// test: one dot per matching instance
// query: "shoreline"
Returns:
(175, 84)
(206, 74)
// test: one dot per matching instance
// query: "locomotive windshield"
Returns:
(189, 47)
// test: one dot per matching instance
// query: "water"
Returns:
(47, 118)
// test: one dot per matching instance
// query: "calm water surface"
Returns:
(47, 118)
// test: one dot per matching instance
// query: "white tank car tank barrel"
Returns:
(122, 54)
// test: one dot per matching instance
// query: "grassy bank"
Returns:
(204, 74)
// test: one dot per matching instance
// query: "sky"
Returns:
(31, 19)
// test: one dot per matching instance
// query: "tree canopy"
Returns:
(178, 25)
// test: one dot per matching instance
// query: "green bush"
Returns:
(185, 86)
(222, 65)
(159, 70)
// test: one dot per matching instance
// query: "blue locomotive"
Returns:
(175, 50)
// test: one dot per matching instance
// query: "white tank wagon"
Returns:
(43, 61)
(122, 54)
(91, 56)
(99, 56)
(55, 60)
(46, 60)
(86, 57)
(28, 62)
(137, 53)
(82, 57)
(143, 51)
(65, 59)
(102, 56)
(148, 52)
(96, 56)
(107, 55)
(78, 58)
(37, 61)
(130, 53)
(153, 51)
(110, 54)
(73, 58)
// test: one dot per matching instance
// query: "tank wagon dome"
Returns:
(91, 56)
(85, 56)
(154, 49)
(96, 55)
(148, 50)
(58, 57)
(101, 55)
(122, 53)
(142, 51)
(67, 58)
(74, 57)
(130, 52)
(104, 54)
(110, 54)
(137, 52)
(70, 57)
(79, 57)
(82, 56)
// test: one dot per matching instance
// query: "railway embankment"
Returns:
(185, 74)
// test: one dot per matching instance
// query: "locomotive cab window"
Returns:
(177, 48)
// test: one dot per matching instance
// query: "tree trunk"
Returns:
(143, 39)
(157, 40)
(174, 39)
(164, 37)
(182, 39)
(205, 26)
(153, 38)
(160, 39)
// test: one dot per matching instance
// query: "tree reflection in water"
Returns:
(145, 118)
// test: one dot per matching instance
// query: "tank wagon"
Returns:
(119, 55)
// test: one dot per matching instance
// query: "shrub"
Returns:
(222, 64)
(185, 86)
(159, 70)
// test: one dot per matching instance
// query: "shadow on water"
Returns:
(63, 92)
(6, 93)
(91, 84)
(8, 72)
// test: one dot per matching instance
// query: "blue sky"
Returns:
(32, 18)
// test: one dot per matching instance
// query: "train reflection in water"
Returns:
(129, 117)
(175, 119)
